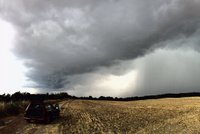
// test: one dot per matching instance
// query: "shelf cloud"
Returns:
(150, 46)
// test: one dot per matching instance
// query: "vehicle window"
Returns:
(35, 106)
(35, 109)
(48, 107)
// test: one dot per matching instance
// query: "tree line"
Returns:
(18, 96)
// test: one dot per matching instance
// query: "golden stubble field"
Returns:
(181, 115)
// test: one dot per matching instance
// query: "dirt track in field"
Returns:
(146, 116)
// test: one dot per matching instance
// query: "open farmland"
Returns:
(180, 115)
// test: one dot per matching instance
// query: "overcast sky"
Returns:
(92, 47)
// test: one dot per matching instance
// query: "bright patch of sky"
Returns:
(12, 71)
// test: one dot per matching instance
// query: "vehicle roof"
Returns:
(39, 102)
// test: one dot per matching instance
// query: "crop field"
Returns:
(180, 115)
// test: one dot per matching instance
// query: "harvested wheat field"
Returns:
(181, 115)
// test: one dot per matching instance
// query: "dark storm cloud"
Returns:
(59, 39)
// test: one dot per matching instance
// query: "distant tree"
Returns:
(17, 96)
(7, 98)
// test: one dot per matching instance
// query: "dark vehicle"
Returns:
(40, 111)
